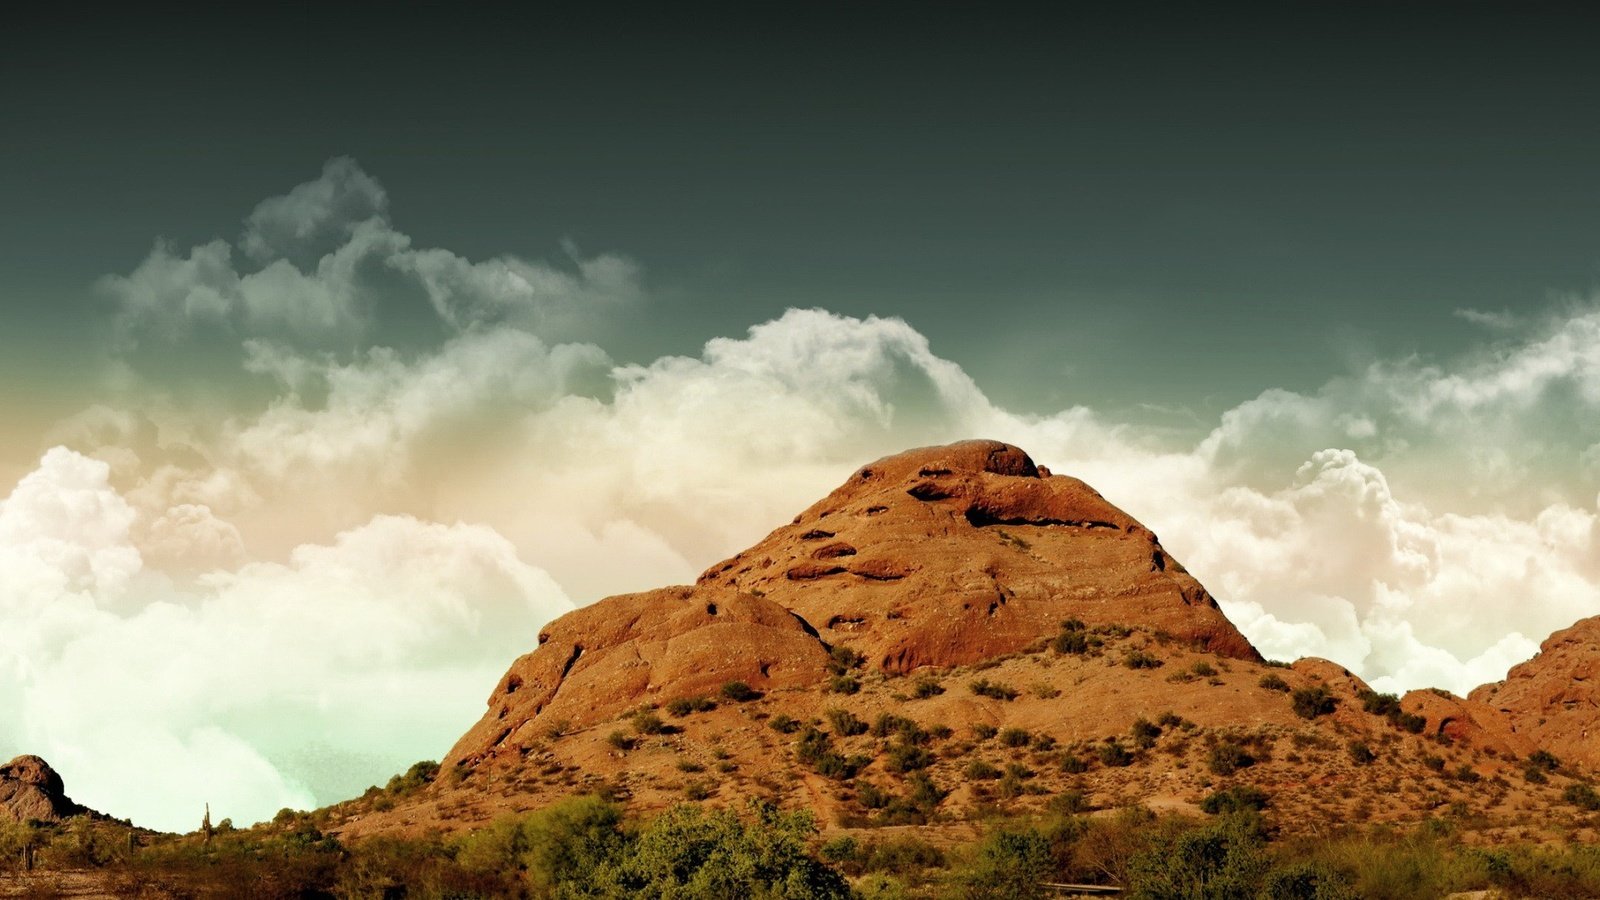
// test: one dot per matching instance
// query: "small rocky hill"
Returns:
(1553, 699)
(31, 791)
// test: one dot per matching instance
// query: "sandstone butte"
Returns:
(949, 614)
(1553, 699)
(940, 557)
(32, 791)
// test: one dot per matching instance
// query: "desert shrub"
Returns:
(978, 770)
(1436, 763)
(843, 684)
(1144, 733)
(1535, 775)
(1113, 754)
(1073, 764)
(1203, 669)
(646, 722)
(1544, 759)
(1007, 864)
(683, 706)
(1380, 704)
(871, 796)
(1467, 774)
(903, 758)
(784, 723)
(1236, 798)
(845, 723)
(842, 659)
(419, 775)
(984, 731)
(815, 749)
(1138, 659)
(907, 729)
(1015, 737)
(983, 687)
(691, 852)
(1272, 682)
(1071, 642)
(926, 687)
(1361, 754)
(739, 692)
(1582, 796)
(1311, 702)
(620, 740)
(1222, 860)
(1228, 757)
(1305, 881)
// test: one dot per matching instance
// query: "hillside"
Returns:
(956, 632)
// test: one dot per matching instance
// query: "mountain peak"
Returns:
(939, 556)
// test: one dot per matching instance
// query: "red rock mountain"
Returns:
(956, 631)
(940, 556)
(1553, 699)
(32, 791)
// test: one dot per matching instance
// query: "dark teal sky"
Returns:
(1164, 207)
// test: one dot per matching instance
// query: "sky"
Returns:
(340, 352)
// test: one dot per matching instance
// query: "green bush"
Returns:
(1138, 659)
(1305, 881)
(1582, 796)
(784, 723)
(983, 687)
(1113, 754)
(1228, 757)
(903, 758)
(1015, 737)
(1144, 733)
(1361, 754)
(739, 692)
(844, 684)
(1236, 798)
(1008, 864)
(926, 687)
(978, 770)
(1272, 682)
(1311, 702)
(845, 723)
(1224, 860)
(683, 706)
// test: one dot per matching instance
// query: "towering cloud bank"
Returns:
(249, 596)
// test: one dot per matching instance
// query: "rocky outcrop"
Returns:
(949, 555)
(32, 791)
(597, 662)
(935, 557)
(1553, 699)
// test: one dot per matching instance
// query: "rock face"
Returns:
(596, 662)
(949, 555)
(32, 791)
(1553, 699)
(941, 556)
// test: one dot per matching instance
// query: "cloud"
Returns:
(1495, 320)
(326, 270)
(316, 217)
(155, 700)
